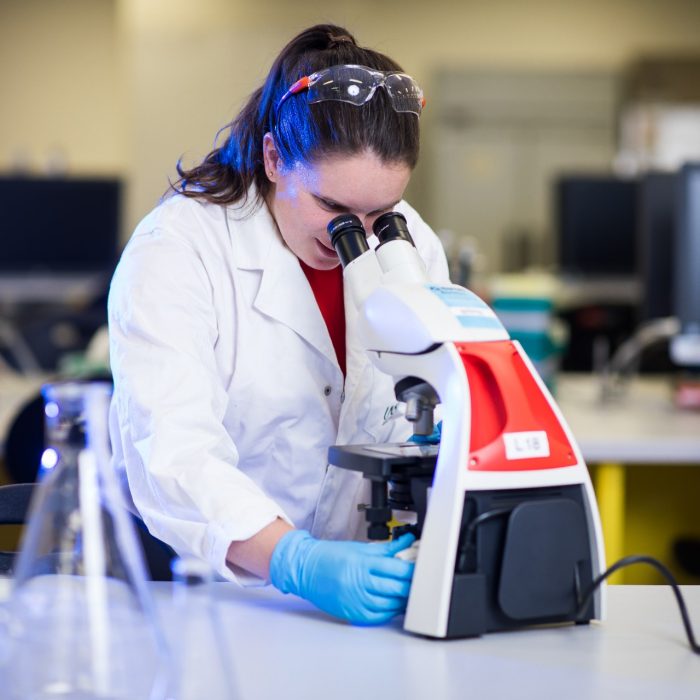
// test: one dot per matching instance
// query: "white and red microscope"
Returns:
(503, 507)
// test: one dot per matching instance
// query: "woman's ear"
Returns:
(271, 157)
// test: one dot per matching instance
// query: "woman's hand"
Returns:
(356, 581)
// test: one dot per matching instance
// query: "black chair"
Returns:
(24, 443)
(14, 504)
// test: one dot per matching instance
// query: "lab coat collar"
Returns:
(284, 292)
(285, 295)
(255, 232)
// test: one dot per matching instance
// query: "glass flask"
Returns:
(80, 621)
(202, 662)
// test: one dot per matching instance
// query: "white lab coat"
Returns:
(227, 389)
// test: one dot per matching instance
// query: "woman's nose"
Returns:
(368, 222)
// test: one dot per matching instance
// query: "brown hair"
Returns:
(303, 132)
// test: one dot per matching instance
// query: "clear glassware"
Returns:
(80, 621)
(202, 662)
(64, 424)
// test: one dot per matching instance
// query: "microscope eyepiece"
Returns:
(348, 237)
(391, 227)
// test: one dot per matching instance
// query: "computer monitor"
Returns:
(58, 225)
(685, 348)
(596, 226)
(656, 241)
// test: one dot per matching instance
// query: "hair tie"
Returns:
(341, 39)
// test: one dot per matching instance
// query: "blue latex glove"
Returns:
(432, 439)
(357, 581)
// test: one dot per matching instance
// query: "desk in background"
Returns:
(642, 427)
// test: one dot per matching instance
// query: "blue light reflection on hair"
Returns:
(306, 133)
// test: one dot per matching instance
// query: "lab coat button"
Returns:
(327, 390)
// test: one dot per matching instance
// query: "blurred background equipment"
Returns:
(656, 242)
(685, 347)
(58, 226)
(660, 119)
(60, 242)
(596, 243)
(501, 138)
(525, 305)
(597, 222)
(668, 234)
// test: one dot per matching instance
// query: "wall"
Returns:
(61, 99)
(188, 66)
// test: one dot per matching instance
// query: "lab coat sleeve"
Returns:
(170, 401)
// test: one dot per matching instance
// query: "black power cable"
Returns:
(466, 555)
(642, 559)
(468, 547)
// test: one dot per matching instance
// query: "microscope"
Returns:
(503, 509)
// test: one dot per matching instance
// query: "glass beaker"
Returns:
(202, 663)
(81, 623)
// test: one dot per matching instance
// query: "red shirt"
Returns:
(327, 286)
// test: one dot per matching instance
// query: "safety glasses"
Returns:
(357, 85)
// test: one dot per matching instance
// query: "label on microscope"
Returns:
(469, 310)
(526, 445)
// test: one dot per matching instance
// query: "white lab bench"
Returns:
(282, 647)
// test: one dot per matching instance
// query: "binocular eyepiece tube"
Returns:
(398, 262)
(348, 237)
(392, 226)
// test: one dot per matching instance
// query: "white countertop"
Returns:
(282, 647)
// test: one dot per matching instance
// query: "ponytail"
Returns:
(304, 132)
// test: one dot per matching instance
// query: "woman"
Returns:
(234, 369)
